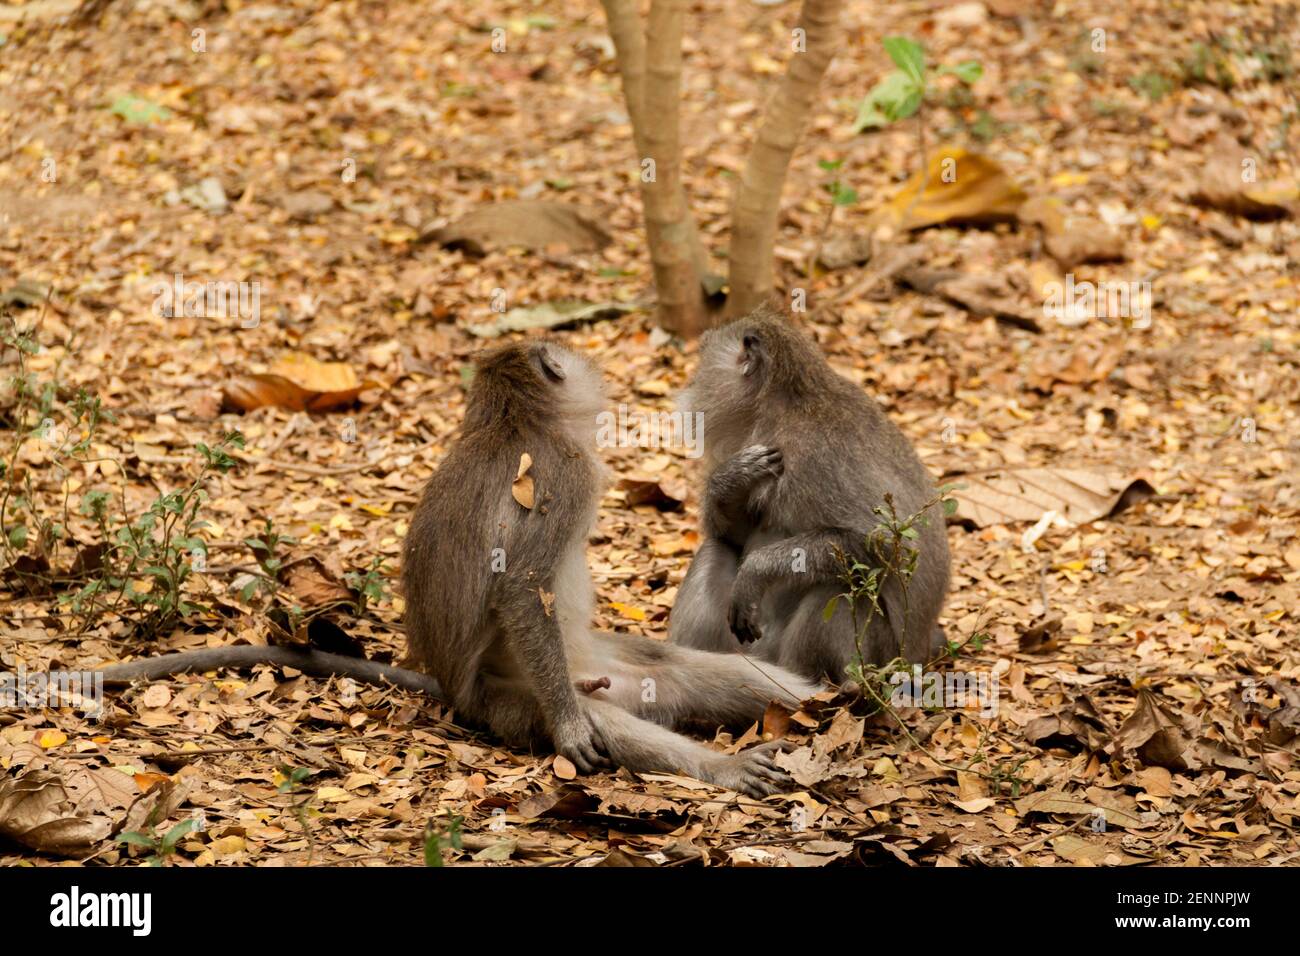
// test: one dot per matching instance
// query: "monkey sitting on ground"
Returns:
(499, 598)
(797, 459)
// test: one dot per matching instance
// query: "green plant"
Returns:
(294, 779)
(163, 846)
(33, 412)
(433, 840)
(266, 550)
(902, 93)
(1151, 84)
(368, 585)
(146, 561)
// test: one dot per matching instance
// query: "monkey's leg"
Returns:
(641, 745)
(816, 560)
(811, 645)
(680, 686)
(699, 616)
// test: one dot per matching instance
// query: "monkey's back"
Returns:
(842, 456)
(468, 536)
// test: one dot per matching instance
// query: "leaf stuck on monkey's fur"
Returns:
(522, 488)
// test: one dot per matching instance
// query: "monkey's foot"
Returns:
(753, 772)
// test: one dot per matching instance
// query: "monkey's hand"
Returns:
(580, 741)
(731, 501)
(742, 616)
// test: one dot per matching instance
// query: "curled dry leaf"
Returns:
(1155, 735)
(38, 812)
(522, 487)
(663, 493)
(1227, 182)
(298, 382)
(1071, 240)
(959, 187)
(1077, 495)
(531, 223)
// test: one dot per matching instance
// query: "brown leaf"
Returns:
(297, 382)
(37, 812)
(522, 487)
(1155, 735)
(662, 493)
(1226, 182)
(531, 223)
(1071, 240)
(1077, 495)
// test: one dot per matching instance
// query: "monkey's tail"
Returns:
(309, 661)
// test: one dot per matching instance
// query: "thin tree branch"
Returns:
(758, 198)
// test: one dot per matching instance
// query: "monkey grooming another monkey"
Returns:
(797, 458)
(499, 598)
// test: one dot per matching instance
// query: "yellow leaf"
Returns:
(1068, 179)
(52, 738)
(959, 187)
(628, 611)
(228, 845)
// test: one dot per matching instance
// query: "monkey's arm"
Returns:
(532, 629)
(737, 492)
(699, 617)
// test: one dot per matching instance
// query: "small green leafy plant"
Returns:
(161, 846)
(902, 93)
(433, 840)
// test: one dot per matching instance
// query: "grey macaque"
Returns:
(797, 458)
(499, 597)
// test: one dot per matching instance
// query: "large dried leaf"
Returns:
(1071, 240)
(532, 223)
(1076, 495)
(1227, 182)
(959, 187)
(37, 811)
(1155, 735)
(297, 382)
(550, 315)
(981, 295)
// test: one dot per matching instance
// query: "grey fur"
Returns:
(509, 646)
(797, 459)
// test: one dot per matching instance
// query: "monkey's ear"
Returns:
(751, 354)
(549, 366)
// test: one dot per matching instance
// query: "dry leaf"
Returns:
(959, 187)
(522, 487)
(297, 382)
(1226, 182)
(1071, 240)
(1076, 495)
(531, 223)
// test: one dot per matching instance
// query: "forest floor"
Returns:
(1146, 658)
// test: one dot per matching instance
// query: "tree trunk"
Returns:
(651, 70)
(758, 198)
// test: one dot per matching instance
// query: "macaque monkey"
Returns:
(797, 458)
(499, 597)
